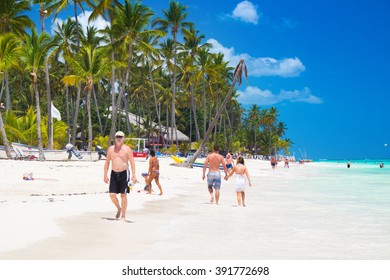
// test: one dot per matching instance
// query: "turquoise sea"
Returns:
(329, 211)
(364, 186)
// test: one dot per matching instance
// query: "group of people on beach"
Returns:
(120, 156)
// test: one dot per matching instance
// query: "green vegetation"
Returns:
(156, 68)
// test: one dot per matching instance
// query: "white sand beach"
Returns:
(66, 214)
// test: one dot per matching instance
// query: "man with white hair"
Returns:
(119, 155)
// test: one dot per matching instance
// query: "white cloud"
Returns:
(99, 23)
(260, 66)
(246, 12)
(255, 95)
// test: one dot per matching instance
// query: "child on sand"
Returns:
(146, 178)
(241, 171)
(229, 162)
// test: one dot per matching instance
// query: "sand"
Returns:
(66, 214)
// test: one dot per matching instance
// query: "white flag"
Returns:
(55, 113)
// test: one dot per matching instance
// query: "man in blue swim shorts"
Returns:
(214, 161)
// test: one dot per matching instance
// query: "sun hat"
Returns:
(119, 133)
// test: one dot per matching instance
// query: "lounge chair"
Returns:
(19, 154)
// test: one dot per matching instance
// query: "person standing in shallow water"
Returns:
(119, 155)
(154, 172)
(214, 160)
(241, 171)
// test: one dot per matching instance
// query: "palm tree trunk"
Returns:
(167, 117)
(39, 133)
(7, 94)
(4, 137)
(157, 111)
(121, 92)
(89, 119)
(67, 111)
(2, 87)
(125, 102)
(230, 129)
(97, 110)
(193, 105)
(204, 109)
(76, 114)
(49, 117)
(173, 115)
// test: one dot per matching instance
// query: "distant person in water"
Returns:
(154, 172)
(381, 165)
(348, 164)
(241, 171)
(119, 155)
(213, 161)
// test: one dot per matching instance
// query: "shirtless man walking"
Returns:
(214, 160)
(119, 155)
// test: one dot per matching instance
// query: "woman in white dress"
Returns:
(241, 171)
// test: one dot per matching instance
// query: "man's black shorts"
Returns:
(118, 182)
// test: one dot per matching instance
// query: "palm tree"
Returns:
(42, 13)
(36, 49)
(60, 5)
(65, 36)
(174, 21)
(238, 72)
(150, 59)
(193, 45)
(130, 23)
(55, 9)
(9, 56)
(255, 117)
(270, 118)
(12, 20)
(89, 65)
(204, 62)
(101, 8)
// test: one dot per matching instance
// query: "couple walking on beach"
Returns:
(214, 161)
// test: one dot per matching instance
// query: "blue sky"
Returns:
(323, 64)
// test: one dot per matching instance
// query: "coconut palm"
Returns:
(89, 65)
(174, 21)
(255, 119)
(12, 18)
(130, 25)
(151, 61)
(193, 46)
(103, 7)
(42, 14)
(238, 72)
(55, 9)
(65, 36)
(60, 5)
(205, 69)
(36, 49)
(10, 51)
